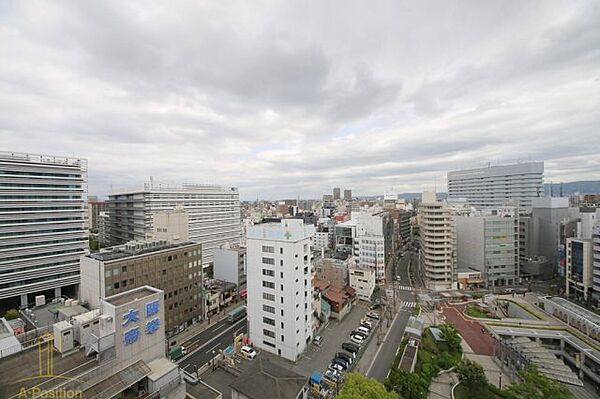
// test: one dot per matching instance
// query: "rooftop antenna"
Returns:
(561, 190)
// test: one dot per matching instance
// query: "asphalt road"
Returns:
(219, 336)
(387, 352)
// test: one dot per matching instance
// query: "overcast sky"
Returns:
(289, 99)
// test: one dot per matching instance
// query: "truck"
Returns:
(236, 314)
(176, 352)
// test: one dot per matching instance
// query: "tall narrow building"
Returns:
(336, 194)
(213, 212)
(498, 186)
(437, 253)
(42, 225)
(280, 288)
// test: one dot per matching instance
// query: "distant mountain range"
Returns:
(581, 187)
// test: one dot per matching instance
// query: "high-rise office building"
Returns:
(175, 268)
(437, 253)
(42, 225)
(580, 269)
(280, 287)
(347, 195)
(497, 186)
(213, 212)
(488, 241)
(336, 194)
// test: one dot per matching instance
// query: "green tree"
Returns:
(409, 385)
(357, 386)
(452, 337)
(11, 314)
(535, 385)
(472, 376)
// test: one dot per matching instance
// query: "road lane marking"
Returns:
(211, 340)
(216, 345)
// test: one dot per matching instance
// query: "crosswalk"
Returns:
(405, 288)
(407, 304)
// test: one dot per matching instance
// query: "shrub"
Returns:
(11, 314)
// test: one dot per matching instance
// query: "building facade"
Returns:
(280, 287)
(347, 195)
(489, 242)
(579, 277)
(437, 242)
(213, 212)
(596, 264)
(497, 186)
(174, 268)
(230, 265)
(337, 195)
(43, 221)
(363, 281)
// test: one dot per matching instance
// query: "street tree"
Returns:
(358, 386)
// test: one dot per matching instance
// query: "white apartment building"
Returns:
(213, 213)
(488, 241)
(362, 280)
(496, 186)
(280, 290)
(373, 240)
(437, 253)
(42, 224)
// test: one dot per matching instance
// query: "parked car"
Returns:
(357, 339)
(350, 347)
(366, 323)
(335, 367)
(318, 340)
(360, 334)
(346, 356)
(341, 362)
(376, 306)
(363, 330)
(248, 352)
(373, 315)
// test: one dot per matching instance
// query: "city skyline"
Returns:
(293, 100)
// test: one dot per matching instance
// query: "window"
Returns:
(268, 297)
(282, 339)
(268, 333)
(269, 309)
(124, 269)
(281, 262)
(268, 321)
(268, 261)
(281, 250)
(282, 325)
(268, 249)
(281, 274)
(267, 272)
(268, 284)
(116, 285)
(272, 345)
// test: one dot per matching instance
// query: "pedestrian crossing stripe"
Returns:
(407, 304)
(405, 288)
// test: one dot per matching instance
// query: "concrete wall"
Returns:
(92, 287)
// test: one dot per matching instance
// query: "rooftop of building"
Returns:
(152, 186)
(286, 230)
(582, 313)
(42, 159)
(265, 379)
(132, 295)
(216, 285)
(50, 313)
(22, 370)
(136, 248)
(533, 167)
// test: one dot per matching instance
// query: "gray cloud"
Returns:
(290, 100)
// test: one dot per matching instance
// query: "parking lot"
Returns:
(314, 358)
(319, 357)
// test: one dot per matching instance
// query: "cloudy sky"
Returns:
(292, 98)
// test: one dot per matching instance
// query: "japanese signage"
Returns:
(132, 318)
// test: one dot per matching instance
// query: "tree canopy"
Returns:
(535, 385)
(358, 386)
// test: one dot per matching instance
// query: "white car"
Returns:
(367, 323)
(363, 330)
(357, 339)
(248, 352)
(373, 315)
